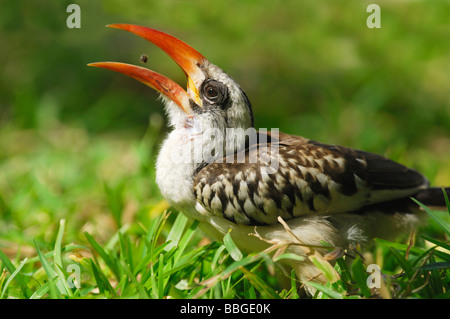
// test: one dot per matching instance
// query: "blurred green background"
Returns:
(79, 142)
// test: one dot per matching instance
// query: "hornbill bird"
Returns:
(316, 195)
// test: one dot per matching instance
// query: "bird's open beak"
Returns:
(184, 55)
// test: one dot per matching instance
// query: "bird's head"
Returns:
(212, 98)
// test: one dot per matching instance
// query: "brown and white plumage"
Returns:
(312, 178)
(317, 193)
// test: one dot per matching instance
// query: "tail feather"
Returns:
(433, 196)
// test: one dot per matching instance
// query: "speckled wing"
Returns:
(310, 178)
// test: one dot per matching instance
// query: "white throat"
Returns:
(174, 175)
(191, 145)
(179, 158)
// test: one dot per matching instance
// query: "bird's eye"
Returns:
(211, 92)
(214, 92)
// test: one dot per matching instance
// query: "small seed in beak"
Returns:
(144, 58)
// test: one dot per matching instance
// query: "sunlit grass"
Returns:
(86, 221)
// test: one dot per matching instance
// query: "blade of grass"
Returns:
(260, 284)
(436, 283)
(220, 275)
(183, 243)
(346, 276)
(327, 291)
(436, 265)
(26, 291)
(290, 256)
(161, 276)
(5, 210)
(249, 290)
(111, 243)
(398, 246)
(83, 261)
(50, 274)
(435, 217)
(63, 249)
(176, 231)
(436, 242)
(103, 284)
(14, 274)
(217, 255)
(57, 252)
(325, 267)
(42, 290)
(3, 276)
(149, 259)
(360, 276)
(126, 253)
(142, 291)
(156, 228)
(108, 260)
(58, 260)
(407, 268)
(447, 202)
(115, 201)
(294, 292)
(234, 251)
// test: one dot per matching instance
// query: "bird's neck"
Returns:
(174, 175)
(186, 150)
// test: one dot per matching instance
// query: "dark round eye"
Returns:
(211, 92)
(214, 92)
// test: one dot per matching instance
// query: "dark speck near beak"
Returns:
(144, 58)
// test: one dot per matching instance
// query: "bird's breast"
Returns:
(175, 169)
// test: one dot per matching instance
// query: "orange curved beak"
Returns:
(184, 55)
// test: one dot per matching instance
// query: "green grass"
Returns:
(69, 232)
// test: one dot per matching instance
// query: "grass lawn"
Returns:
(81, 217)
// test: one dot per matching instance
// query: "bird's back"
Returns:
(311, 178)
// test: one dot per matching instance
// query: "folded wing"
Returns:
(309, 178)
